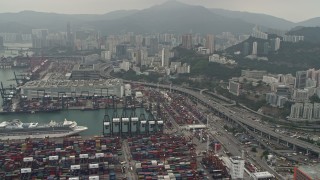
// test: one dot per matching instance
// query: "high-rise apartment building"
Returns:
(39, 38)
(245, 50)
(70, 39)
(266, 48)
(165, 53)
(301, 79)
(1, 42)
(121, 51)
(254, 48)
(154, 46)
(210, 43)
(277, 44)
(187, 41)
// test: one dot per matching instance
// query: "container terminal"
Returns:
(174, 143)
(147, 143)
(130, 147)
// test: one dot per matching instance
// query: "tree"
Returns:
(253, 149)
(314, 99)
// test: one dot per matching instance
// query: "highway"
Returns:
(226, 112)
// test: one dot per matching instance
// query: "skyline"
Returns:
(307, 10)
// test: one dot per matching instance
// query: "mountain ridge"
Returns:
(172, 16)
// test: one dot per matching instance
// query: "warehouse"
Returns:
(73, 88)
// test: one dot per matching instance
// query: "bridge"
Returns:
(262, 131)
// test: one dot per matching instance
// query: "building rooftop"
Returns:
(84, 67)
(235, 158)
(264, 174)
(311, 171)
(73, 83)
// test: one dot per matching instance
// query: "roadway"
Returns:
(235, 117)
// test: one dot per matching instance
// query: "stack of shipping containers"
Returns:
(64, 159)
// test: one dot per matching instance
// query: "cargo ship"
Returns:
(15, 129)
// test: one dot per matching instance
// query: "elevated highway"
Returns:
(254, 126)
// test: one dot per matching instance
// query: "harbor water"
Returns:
(91, 119)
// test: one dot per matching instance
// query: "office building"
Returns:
(187, 41)
(301, 79)
(210, 43)
(307, 172)
(254, 48)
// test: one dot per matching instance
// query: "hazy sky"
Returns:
(294, 10)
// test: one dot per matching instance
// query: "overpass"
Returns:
(58, 57)
(254, 126)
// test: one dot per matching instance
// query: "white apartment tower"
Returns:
(277, 44)
(254, 48)
(236, 167)
(165, 53)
